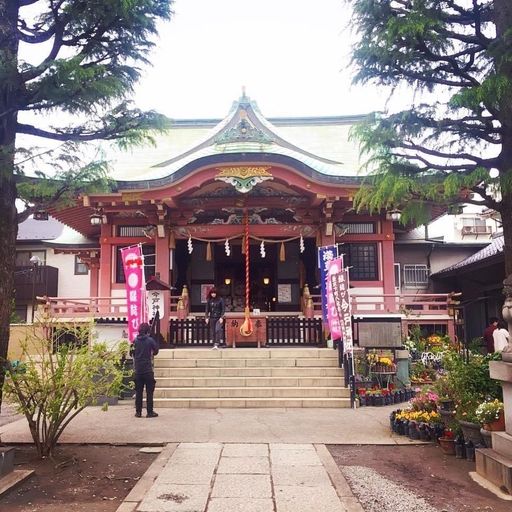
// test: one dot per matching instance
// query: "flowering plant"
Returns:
(419, 416)
(426, 401)
(372, 358)
(487, 412)
(386, 361)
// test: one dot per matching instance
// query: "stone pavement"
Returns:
(368, 425)
(230, 460)
(261, 477)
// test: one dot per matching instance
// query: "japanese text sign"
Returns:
(341, 297)
(325, 254)
(133, 265)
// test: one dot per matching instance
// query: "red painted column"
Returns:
(94, 275)
(388, 268)
(106, 264)
(162, 255)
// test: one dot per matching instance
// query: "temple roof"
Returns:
(320, 144)
(493, 250)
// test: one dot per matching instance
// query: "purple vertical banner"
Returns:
(325, 254)
(335, 266)
(341, 296)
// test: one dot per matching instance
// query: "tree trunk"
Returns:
(503, 21)
(9, 93)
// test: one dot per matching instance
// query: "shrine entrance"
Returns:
(230, 277)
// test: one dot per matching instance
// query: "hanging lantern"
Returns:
(262, 249)
(227, 248)
(282, 253)
(190, 247)
(301, 244)
(208, 251)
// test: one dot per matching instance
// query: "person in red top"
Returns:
(488, 334)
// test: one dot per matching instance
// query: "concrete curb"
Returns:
(339, 482)
(136, 495)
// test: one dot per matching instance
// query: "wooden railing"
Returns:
(287, 330)
(97, 307)
(406, 304)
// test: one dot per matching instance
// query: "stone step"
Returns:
(222, 382)
(253, 392)
(494, 467)
(247, 353)
(245, 362)
(290, 371)
(241, 403)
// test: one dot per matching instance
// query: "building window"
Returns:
(363, 260)
(23, 258)
(20, 314)
(72, 337)
(80, 268)
(149, 263)
(356, 228)
(131, 231)
(475, 226)
(416, 275)
(473, 221)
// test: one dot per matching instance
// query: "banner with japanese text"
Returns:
(341, 297)
(325, 254)
(133, 265)
(334, 266)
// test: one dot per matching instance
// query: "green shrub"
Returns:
(54, 382)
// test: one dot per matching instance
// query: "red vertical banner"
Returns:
(334, 266)
(133, 265)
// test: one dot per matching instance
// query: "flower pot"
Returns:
(487, 437)
(424, 432)
(446, 405)
(413, 430)
(447, 445)
(378, 400)
(471, 432)
(446, 416)
(498, 425)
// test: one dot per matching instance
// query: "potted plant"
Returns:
(491, 415)
(447, 442)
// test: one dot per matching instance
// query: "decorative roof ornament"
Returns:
(243, 131)
(244, 178)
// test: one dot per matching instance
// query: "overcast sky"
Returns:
(291, 55)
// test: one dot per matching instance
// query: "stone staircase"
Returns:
(247, 377)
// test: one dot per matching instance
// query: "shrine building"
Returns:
(287, 184)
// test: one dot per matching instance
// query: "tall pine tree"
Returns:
(456, 145)
(89, 52)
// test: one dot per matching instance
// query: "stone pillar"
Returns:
(496, 464)
(402, 367)
(507, 316)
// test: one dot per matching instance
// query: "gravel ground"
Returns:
(379, 494)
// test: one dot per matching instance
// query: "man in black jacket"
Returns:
(144, 348)
(215, 316)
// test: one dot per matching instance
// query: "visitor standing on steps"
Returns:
(143, 350)
(215, 310)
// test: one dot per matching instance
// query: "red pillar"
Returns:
(105, 270)
(388, 266)
(162, 256)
